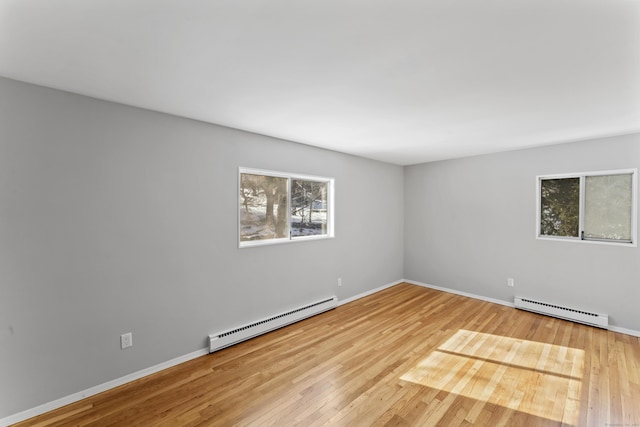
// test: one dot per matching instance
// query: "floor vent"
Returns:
(580, 316)
(227, 338)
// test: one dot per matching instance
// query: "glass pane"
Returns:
(263, 207)
(308, 208)
(608, 207)
(559, 207)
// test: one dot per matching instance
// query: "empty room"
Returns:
(319, 213)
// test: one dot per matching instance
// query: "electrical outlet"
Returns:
(510, 282)
(339, 281)
(126, 340)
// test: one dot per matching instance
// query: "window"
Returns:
(595, 207)
(277, 207)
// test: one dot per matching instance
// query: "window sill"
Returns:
(588, 241)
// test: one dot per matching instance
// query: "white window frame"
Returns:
(582, 176)
(290, 176)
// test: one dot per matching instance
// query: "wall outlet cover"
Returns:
(126, 340)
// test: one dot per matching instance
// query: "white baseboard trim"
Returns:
(371, 292)
(625, 331)
(611, 328)
(50, 406)
(464, 294)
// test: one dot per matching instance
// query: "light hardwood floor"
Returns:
(405, 356)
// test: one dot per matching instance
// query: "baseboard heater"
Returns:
(566, 313)
(233, 336)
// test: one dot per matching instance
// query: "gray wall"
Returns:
(471, 223)
(115, 219)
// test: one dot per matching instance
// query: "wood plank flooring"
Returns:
(405, 356)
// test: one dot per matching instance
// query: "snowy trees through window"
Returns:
(276, 207)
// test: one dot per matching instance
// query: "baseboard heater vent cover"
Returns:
(233, 336)
(566, 313)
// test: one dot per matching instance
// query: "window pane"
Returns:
(263, 207)
(608, 207)
(308, 208)
(559, 207)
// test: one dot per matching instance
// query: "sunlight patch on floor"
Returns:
(540, 379)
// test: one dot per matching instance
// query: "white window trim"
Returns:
(290, 176)
(634, 207)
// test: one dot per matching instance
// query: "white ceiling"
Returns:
(403, 81)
